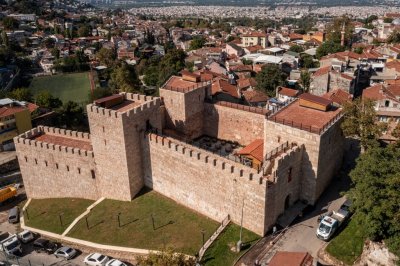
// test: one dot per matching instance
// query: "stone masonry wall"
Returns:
(52, 171)
(316, 173)
(211, 185)
(116, 144)
(289, 162)
(184, 110)
(232, 124)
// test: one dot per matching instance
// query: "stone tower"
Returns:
(117, 124)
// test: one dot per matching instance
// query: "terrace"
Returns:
(66, 141)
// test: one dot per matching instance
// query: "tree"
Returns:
(270, 78)
(307, 61)
(46, 100)
(296, 49)
(197, 43)
(166, 258)
(106, 56)
(124, 78)
(305, 80)
(359, 50)
(71, 115)
(375, 194)
(10, 23)
(396, 131)
(360, 122)
(49, 43)
(83, 31)
(99, 93)
(394, 37)
(370, 19)
(387, 20)
(21, 94)
(55, 52)
(329, 47)
(4, 39)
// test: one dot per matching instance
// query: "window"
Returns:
(35, 161)
(105, 142)
(93, 174)
(45, 162)
(290, 174)
(56, 165)
(67, 168)
(387, 103)
(79, 170)
(104, 130)
(26, 159)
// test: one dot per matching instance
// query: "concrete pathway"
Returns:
(77, 219)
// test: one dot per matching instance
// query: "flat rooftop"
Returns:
(65, 141)
(126, 105)
(179, 84)
(304, 117)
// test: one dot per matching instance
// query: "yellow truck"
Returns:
(7, 193)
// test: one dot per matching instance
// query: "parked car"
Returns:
(65, 253)
(11, 245)
(44, 245)
(115, 262)
(96, 259)
(13, 215)
(25, 236)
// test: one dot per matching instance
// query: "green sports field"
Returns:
(67, 87)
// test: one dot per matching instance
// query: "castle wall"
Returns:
(287, 177)
(116, 143)
(54, 171)
(331, 157)
(232, 124)
(184, 111)
(314, 146)
(209, 184)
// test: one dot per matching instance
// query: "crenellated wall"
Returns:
(116, 143)
(234, 124)
(207, 183)
(51, 170)
(286, 177)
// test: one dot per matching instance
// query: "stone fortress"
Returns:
(138, 141)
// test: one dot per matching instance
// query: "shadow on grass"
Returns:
(96, 224)
(129, 222)
(161, 226)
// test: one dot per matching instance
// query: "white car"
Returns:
(96, 259)
(115, 262)
(65, 253)
(26, 236)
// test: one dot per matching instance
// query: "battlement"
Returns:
(57, 139)
(206, 157)
(180, 84)
(131, 105)
(283, 158)
(245, 108)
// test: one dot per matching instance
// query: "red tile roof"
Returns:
(322, 71)
(255, 96)
(255, 34)
(338, 96)
(288, 92)
(381, 92)
(244, 83)
(285, 258)
(7, 111)
(254, 149)
(223, 86)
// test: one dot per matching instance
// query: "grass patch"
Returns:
(220, 254)
(176, 226)
(44, 213)
(348, 245)
(67, 87)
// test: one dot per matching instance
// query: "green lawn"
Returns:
(176, 227)
(68, 87)
(45, 213)
(348, 245)
(220, 253)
